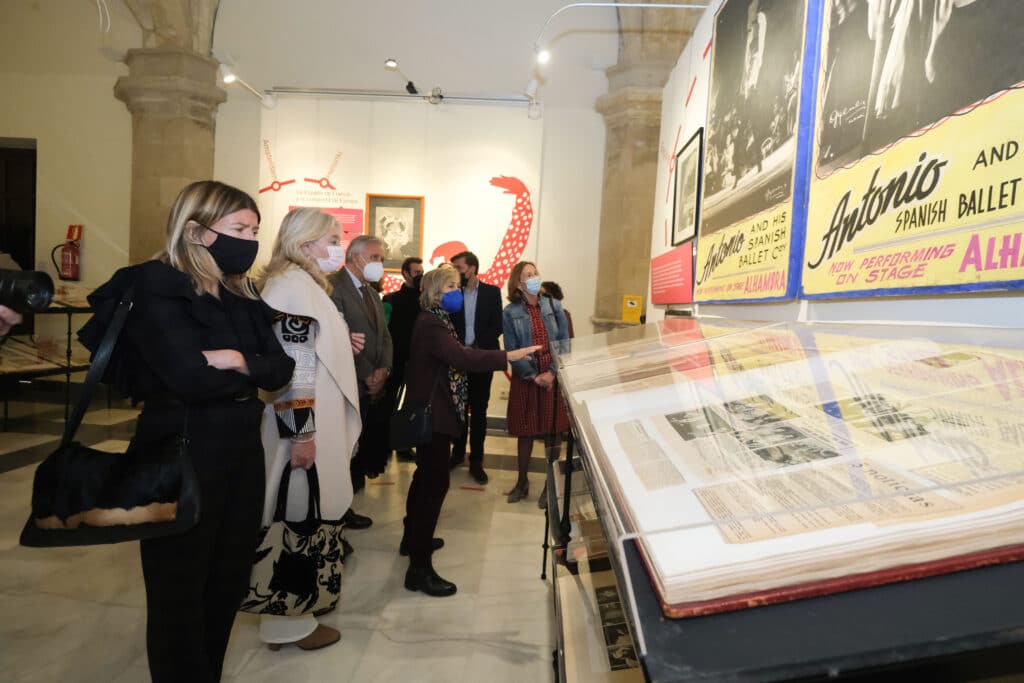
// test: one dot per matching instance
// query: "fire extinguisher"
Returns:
(70, 255)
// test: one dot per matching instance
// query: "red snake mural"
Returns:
(512, 245)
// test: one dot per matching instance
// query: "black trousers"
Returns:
(476, 425)
(426, 496)
(195, 582)
(371, 457)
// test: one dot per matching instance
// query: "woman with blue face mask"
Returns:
(437, 375)
(531, 319)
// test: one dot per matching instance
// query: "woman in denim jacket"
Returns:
(531, 319)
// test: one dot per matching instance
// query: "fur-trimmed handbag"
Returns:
(83, 496)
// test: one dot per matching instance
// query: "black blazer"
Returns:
(405, 308)
(487, 324)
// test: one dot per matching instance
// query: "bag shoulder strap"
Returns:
(100, 359)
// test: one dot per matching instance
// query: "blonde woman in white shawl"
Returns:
(314, 418)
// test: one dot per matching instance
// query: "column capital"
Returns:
(170, 83)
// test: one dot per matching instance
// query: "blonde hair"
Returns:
(197, 207)
(300, 226)
(432, 286)
(514, 295)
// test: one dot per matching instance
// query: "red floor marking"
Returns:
(472, 488)
(380, 483)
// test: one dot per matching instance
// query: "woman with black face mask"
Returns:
(195, 349)
(437, 375)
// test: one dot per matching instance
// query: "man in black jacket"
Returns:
(479, 326)
(405, 307)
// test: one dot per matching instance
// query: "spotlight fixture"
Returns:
(543, 56)
(227, 75)
(391, 64)
(531, 89)
(436, 95)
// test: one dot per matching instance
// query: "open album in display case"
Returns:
(760, 462)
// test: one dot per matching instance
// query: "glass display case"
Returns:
(744, 473)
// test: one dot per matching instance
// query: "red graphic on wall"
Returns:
(276, 185)
(325, 181)
(446, 251)
(514, 243)
(671, 159)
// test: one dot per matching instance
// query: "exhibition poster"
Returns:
(756, 158)
(918, 157)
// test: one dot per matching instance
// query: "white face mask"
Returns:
(335, 257)
(373, 271)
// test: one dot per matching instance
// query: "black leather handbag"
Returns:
(82, 496)
(411, 425)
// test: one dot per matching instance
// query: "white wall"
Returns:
(998, 309)
(57, 73)
(464, 46)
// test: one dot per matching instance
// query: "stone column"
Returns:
(173, 96)
(172, 92)
(650, 44)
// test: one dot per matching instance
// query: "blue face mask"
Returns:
(532, 286)
(452, 301)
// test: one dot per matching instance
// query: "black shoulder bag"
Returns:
(412, 425)
(82, 496)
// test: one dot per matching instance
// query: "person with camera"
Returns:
(437, 375)
(196, 348)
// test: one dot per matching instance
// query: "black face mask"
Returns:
(233, 255)
(417, 282)
(463, 280)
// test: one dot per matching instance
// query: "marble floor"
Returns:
(78, 614)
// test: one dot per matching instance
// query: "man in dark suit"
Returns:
(405, 308)
(361, 306)
(479, 326)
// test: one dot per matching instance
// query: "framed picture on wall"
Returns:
(686, 207)
(398, 221)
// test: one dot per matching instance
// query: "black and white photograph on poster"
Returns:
(623, 657)
(606, 594)
(686, 207)
(398, 222)
(796, 453)
(617, 635)
(752, 110)
(611, 613)
(895, 67)
(696, 424)
(770, 434)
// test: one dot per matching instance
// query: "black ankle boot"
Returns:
(426, 579)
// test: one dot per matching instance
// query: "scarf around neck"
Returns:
(458, 381)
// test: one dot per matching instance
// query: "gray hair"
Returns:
(357, 246)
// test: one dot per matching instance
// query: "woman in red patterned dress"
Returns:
(531, 319)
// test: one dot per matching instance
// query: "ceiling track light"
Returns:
(228, 76)
(543, 55)
(391, 64)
